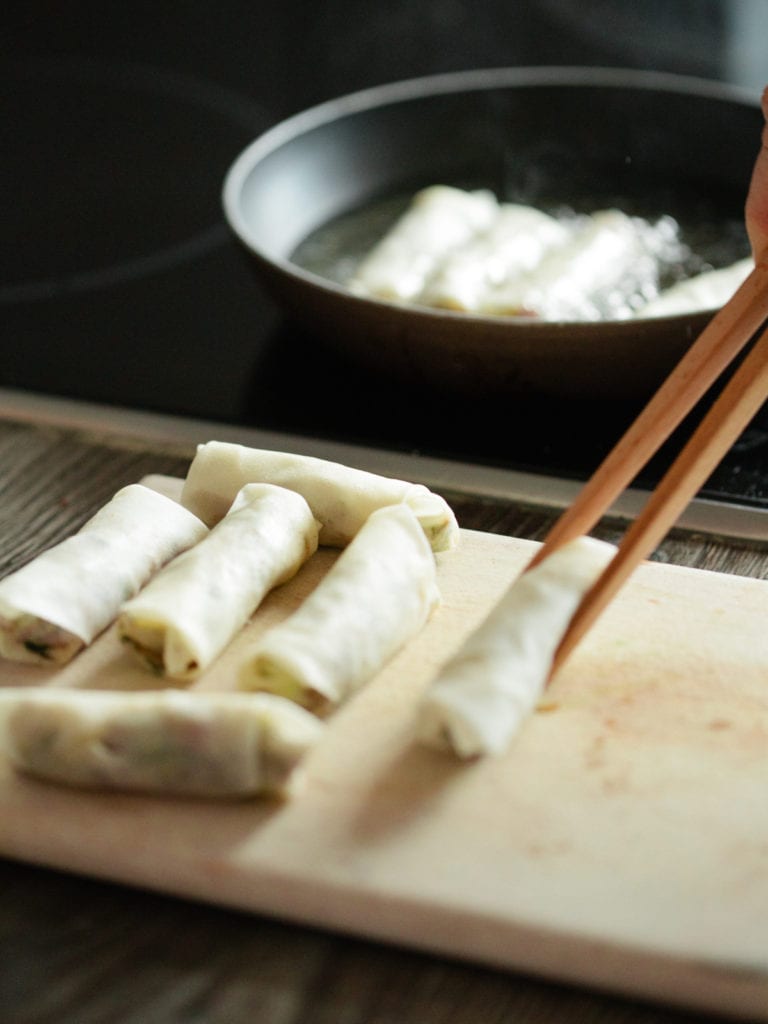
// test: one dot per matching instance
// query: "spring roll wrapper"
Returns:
(191, 610)
(167, 742)
(483, 695)
(341, 497)
(708, 290)
(570, 279)
(439, 219)
(377, 595)
(67, 595)
(514, 244)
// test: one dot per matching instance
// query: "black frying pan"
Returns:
(650, 143)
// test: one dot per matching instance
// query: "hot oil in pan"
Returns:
(335, 250)
(684, 239)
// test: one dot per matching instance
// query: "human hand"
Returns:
(756, 210)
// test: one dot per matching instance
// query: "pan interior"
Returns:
(310, 199)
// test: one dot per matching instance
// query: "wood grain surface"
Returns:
(80, 950)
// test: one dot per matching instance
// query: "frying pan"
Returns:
(585, 138)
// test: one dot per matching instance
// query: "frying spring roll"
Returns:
(376, 596)
(190, 611)
(708, 290)
(439, 219)
(162, 742)
(341, 498)
(597, 266)
(514, 244)
(482, 696)
(58, 603)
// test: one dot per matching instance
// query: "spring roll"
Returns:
(58, 603)
(483, 695)
(167, 742)
(440, 218)
(514, 244)
(601, 263)
(341, 498)
(708, 290)
(378, 594)
(189, 612)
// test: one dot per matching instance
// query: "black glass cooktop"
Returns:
(119, 281)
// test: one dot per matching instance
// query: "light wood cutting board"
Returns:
(621, 843)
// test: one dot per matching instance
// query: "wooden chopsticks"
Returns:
(717, 346)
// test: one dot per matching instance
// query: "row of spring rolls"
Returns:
(377, 595)
(379, 592)
(227, 543)
(465, 251)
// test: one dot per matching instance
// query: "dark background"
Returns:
(119, 281)
(289, 54)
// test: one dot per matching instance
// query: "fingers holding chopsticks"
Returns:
(756, 211)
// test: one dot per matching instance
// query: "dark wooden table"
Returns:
(80, 951)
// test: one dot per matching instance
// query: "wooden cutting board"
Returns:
(621, 843)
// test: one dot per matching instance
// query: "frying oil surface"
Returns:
(668, 246)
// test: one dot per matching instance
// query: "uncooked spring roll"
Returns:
(59, 602)
(189, 612)
(164, 742)
(483, 695)
(377, 595)
(341, 498)
(439, 218)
